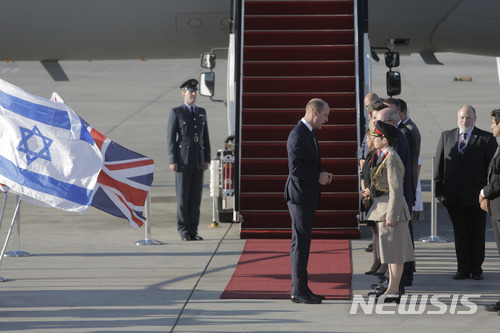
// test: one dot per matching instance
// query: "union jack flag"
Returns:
(124, 181)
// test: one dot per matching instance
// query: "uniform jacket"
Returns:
(492, 189)
(459, 177)
(187, 138)
(304, 165)
(393, 206)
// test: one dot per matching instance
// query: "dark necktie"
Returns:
(315, 141)
(463, 142)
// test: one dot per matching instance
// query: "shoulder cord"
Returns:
(377, 170)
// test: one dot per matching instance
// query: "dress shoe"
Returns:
(381, 271)
(187, 238)
(493, 307)
(369, 247)
(316, 296)
(305, 299)
(378, 292)
(389, 299)
(196, 237)
(461, 276)
(373, 270)
(478, 277)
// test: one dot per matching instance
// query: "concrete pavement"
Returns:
(87, 275)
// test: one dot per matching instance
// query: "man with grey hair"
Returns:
(461, 168)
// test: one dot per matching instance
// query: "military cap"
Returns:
(386, 130)
(191, 84)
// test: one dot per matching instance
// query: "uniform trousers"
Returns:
(469, 226)
(189, 190)
(302, 222)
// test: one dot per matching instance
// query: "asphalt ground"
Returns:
(86, 273)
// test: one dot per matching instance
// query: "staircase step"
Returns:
(302, 22)
(300, 84)
(298, 7)
(326, 37)
(298, 53)
(292, 116)
(270, 100)
(297, 68)
(279, 167)
(329, 202)
(280, 133)
(276, 184)
(322, 219)
(329, 149)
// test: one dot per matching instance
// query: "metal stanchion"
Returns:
(214, 190)
(1, 220)
(148, 240)
(433, 238)
(17, 252)
(10, 231)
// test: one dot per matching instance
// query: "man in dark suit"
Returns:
(189, 157)
(489, 198)
(461, 166)
(302, 193)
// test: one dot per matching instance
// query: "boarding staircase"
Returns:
(294, 51)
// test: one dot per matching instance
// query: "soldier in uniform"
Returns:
(189, 157)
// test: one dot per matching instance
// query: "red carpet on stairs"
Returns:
(263, 270)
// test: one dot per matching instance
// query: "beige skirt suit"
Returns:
(395, 241)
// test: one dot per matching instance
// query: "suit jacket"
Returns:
(417, 138)
(492, 189)
(413, 154)
(304, 165)
(392, 206)
(458, 177)
(402, 148)
(187, 138)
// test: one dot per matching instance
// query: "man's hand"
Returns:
(366, 193)
(207, 165)
(440, 199)
(483, 202)
(173, 167)
(325, 178)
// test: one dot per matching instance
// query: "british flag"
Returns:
(124, 181)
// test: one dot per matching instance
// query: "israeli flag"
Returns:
(47, 156)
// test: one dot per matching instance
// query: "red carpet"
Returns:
(264, 270)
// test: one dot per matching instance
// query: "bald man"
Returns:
(461, 169)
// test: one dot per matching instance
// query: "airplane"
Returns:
(428, 27)
(60, 30)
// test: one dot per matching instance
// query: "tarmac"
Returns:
(86, 273)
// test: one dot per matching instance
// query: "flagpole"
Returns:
(18, 252)
(147, 212)
(1, 220)
(10, 231)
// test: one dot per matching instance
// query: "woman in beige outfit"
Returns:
(389, 207)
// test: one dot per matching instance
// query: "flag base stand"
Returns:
(148, 242)
(434, 239)
(214, 225)
(17, 254)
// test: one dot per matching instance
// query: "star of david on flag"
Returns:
(24, 145)
(47, 155)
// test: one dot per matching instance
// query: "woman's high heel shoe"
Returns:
(374, 269)
(381, 271)
(385, 298)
